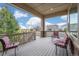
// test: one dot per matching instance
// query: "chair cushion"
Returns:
(6, 41)
(60, 41)
(13, 45)
(8, 44)
(60, 44)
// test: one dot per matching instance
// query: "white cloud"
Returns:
(19, 14)
(34, 21)
(64, 17)
(21, 26)
(0, 8)
(30, 27)
(47, 23)
(60, 24)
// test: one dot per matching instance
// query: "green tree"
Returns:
(65, 29)
(8, 22)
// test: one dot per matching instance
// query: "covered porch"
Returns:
(43, 45)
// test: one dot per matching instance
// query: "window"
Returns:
(74, 22)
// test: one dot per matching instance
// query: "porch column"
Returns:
(42, 27)
(68, 21)
(68, 17)
(78, 18)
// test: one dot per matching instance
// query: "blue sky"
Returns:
(26, 19)
(55, 20)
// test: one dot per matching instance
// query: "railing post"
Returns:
(34, 35)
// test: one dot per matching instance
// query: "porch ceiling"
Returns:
(49, 8)
(46, 9)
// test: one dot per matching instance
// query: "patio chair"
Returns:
(62, 43)
(7, 45)
(56, 34)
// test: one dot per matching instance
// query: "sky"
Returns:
(27, 20)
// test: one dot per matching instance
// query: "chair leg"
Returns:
(66, 51)
(15, 51)
(3, 53)
(56, 51)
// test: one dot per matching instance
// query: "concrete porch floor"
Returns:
(38, 47)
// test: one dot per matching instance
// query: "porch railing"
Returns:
(48, 33)
(21, 37)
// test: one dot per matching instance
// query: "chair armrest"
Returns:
(56, 40)
(61, 41)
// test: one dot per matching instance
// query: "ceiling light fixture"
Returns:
(51, 9)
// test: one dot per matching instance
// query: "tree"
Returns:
(65, 29)
(8, 22)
